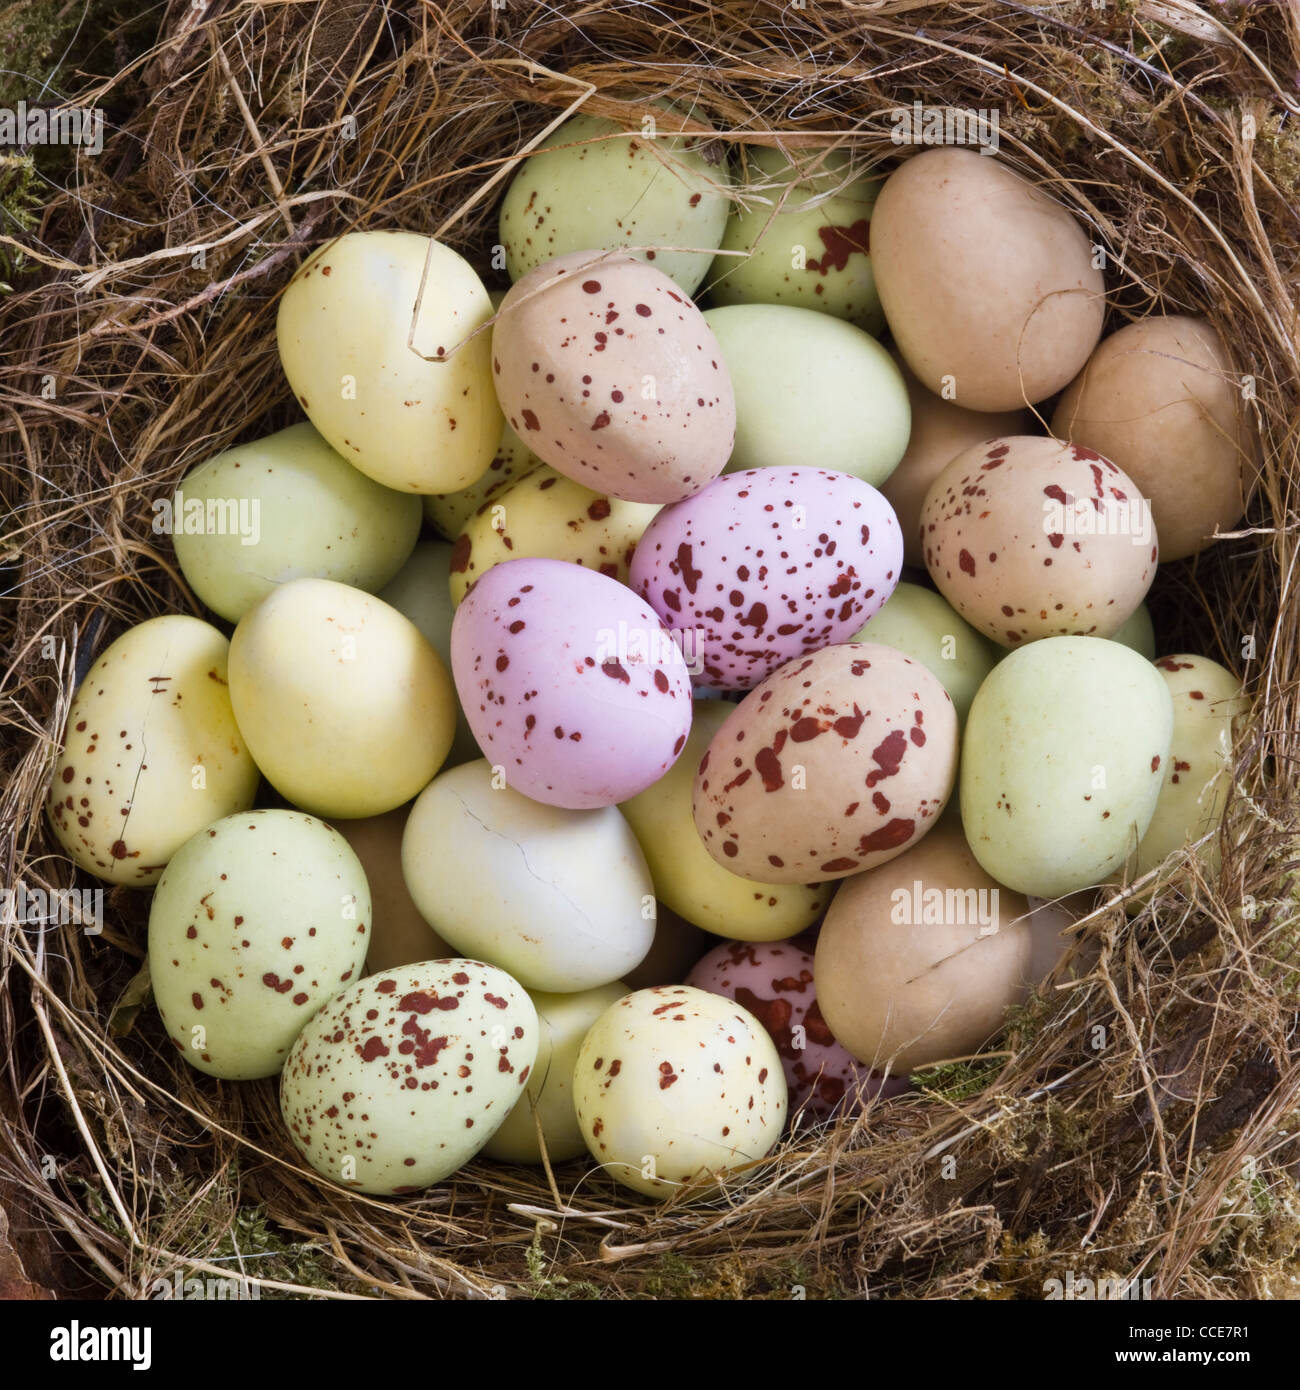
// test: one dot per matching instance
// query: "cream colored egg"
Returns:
(804, 225)
(811, 389)
(286, 507)
(685, 874)
(121, 805)
(561, 899)
(564, 1021)
(1064, 755)
(347, 709)
(448, 512)
(1160, 399)
(919, 960)
(922, 624)
(256, 922)
(673, 1085)
(990, 287)
(598, 183)
(549, 516)
(941, 429)
(406, 397)
(401, 1079)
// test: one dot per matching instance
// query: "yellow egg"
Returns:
(449, 511)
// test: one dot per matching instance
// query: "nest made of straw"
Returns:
(1136, 1122)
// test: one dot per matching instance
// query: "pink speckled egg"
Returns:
(1028, 537)
(611, 375)
(569, 683)
(774, 981)
(767, 565)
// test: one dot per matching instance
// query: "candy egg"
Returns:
(805, 228)
(836, 763)
(921, 624)
(1030, 538)
(767, 565)
(1065, 751)
(1138, 632)
(919, 960)
(673, 1085)
(345, 706)
(990, 288)
(401, 1079)
(449, 511)
(298, 510)
(512, 880)
(809, 386)
(1159, 398)
(595, 184)
(678, 944)
(774, 982)
(117, 815)
(563, 1021)
(547, 515)
(569, 683)
(405, 398)
(255, 923)
(685, 874)
(612, 376)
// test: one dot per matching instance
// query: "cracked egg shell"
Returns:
(607, 372)
(1029, 538)
(562, 899)
(569, 682)
(117, 816)
(401, 1079)
(767, 565)
(773, 980)
(673, 1084)
(919, 960)
(255, 923)
(836, 763)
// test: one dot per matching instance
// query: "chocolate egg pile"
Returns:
(701, 772)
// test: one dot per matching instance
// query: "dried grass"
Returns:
(1166, 1153)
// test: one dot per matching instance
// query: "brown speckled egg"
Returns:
(610, 374)
(674, 1084)
(767, 565)
(1028, 537)
(402, 1078)
(836, 763)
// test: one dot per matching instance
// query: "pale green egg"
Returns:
(286, 507)
(1139, 633)
(449, 511)
(1064, 755)
(596, 185)
(923, 625)
(812, 391)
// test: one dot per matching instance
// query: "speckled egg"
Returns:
(548, 515)
(774, 981)
(255, 923)
(1029, 538)
(117, 815)
(515, 881)
(449, 511)
(563, 1020)
(836, 763)
(922, 624)
(809, 386)
(594, 183)
(569, 682)
(401, 1079)
(990, 287)
(610, 374)
(688, 878)
(377, 391)
(286, 507)
(805, 226)
(767, 565)
(1064, 755)
(941, 429)
(674, 1085)
(345, 706)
